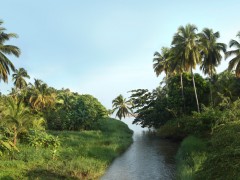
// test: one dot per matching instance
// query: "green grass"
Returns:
(190, 157)
(82, 155)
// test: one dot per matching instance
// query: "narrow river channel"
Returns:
(148, 158)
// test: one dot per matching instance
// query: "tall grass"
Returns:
(190, 157)
(82, 155)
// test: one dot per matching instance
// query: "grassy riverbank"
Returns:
(81, 155)
(216, 157)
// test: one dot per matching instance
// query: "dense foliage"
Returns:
(31, 108)
(203, 112)
(75, 112)
(166, 103)
(80, 155)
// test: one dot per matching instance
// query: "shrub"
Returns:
(224, 153)
(83, 112)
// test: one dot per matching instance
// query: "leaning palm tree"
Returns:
(18, 78)
(122, 106)
(5, 64)
(212, 55)
(186, 41)
(234, 63)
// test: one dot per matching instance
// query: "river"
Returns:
(148, 158)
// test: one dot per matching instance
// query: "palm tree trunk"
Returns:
(15, 136)
(211, 94)
(183, 98)
(210, 86)
(195, 91)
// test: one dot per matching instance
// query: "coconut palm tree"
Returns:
(178, 68)
(122, 106)
(5, 64)
(18, 78)
(161, 61)
(65, 99)
(186, 41)
(212, 55)
(234, 63)
(41, 95)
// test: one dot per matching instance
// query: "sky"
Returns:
(105, 48)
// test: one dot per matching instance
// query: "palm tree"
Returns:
(122, 106)
(212, 56)
(41, 95)
(18, 78)
(66, 99)
(178, 68)
(5, 64)
(234, 63)
(17, 118)
(187, 43)
(161, 61)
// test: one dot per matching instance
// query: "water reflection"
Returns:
(147, 158)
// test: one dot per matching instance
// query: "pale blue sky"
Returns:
(105, 48)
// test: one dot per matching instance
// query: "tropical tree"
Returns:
(186, 40)
(66, 99)
(177, 67)
(41, 96)
(162, 62)
(234, 63)
(122, 106)
(5, 64)
(17, 118)
(18, 78)
(212, 55)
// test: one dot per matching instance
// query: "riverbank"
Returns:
(216, 157)
(81, 155)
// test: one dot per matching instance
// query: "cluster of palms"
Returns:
(190, 49)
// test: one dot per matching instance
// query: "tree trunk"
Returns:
(210, 86)
(211, 95)
(15, 136)
(183, 98)
(195, 91)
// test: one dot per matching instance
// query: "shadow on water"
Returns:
(147, 158)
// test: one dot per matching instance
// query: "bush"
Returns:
(171, 130)
(83, 112)
(224, 153)
(42, 139)
(203, 123)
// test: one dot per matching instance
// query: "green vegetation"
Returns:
(47, 133)
(203, 112)
(80, 155)
(122, 106)
(190, 157)
(80, 141)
